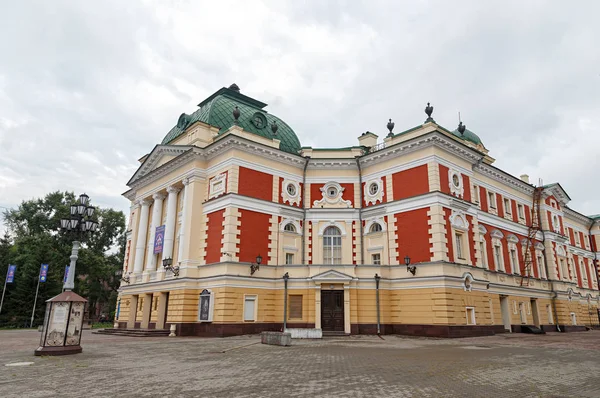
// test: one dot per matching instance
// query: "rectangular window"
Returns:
(573, 319)
(521, 211)
(249, 308)
(549, 311)
(459, 250)
(577, 240)
(295, 306)
(582, 270)
(498, 258)
(507, 208)
(376, 258)
(483, 254)
(475, 194)
(470, 316)
(492, 199)
(514, 262)
(289, 258)
(541, 269)
(332, 249)
(563, 269)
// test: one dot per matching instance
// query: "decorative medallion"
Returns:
(259, 120)
(290, 192)
(455, 183)
(332, 196)
(373, 191)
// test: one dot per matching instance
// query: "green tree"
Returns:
(34, 238)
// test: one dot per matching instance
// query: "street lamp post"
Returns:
(78, 226)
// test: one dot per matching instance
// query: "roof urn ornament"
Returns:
(236, 114)
(429, 111)
(390, 126)
(274, 127)
(234, 87)
(461, 128)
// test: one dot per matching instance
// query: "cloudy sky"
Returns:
(88, 88)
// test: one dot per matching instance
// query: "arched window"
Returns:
(376, 227)
(332, 246)
(289, 227)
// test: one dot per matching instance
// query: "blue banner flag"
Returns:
(159, 239)
(10, 277)
(66, 274)
(44, 273)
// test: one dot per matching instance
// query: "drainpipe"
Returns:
(360, 206)
(286, 276)
(377, 279)
(304, 210)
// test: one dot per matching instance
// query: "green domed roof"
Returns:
(468, 135)
(217, 110)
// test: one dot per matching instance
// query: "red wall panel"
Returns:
(411, 182)
(483, 199)
(214, 235)
(413, 236)
(499, 205)
(255, 184)
(467, 186)
(449, 236)
(254, 236)
(444, 183)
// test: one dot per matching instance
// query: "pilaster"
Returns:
(233, 178)
(389, 189)
(433, 172)
(437, 233)
(273, 242)
(231, 231)
(392, 231)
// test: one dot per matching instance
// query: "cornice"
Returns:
(434, 138)
(503, 177)
(335, 164)
(235, 142)
(570, 213)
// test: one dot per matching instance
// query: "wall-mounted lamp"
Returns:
(410, 268)
(255, 266)
(168, 265)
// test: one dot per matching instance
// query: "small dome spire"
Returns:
(429, 111)
(234, 87)
(461, 128)
(390, 126)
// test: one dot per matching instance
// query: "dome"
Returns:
(468, 135)
(217, 110)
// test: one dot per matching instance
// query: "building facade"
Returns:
(230, 185)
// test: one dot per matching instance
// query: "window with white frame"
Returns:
(249, 308)
(577, 239)
(541, 267)
(375, 227)
(582, 270)
(592, 271)
(483, 252)
(376, 258)
(217, 185)
(514, 261)
(289, 227)
(289, 258)
(498, 260)
(573, 318)
(563, 268)
(332, 246)
(521, 211)
(492, 199)
(470, 312)
(507, 208)
(475, 194)
(458, 240)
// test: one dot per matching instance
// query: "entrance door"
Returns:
(332, 310)
(505, 312)
(536, 315)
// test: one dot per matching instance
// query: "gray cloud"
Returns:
(87, 90)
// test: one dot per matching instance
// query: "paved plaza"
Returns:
(554, 365)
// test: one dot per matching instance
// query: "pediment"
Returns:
(331, 276)
(160, 155)
(558, 192)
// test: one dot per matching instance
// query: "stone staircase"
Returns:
(133, 332)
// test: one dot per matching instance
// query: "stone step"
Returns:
(133, 332)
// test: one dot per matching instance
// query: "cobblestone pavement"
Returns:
(554, 365)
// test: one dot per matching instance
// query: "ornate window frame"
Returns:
(371, 222)
(459, 222)
(286, 196)
(333, 200)
(341, 226)
(497, 237)
(217, 185)
(456, 184)
(292, 221)
(467, 282)
(372, 198)
(512, 241)
(483, 257)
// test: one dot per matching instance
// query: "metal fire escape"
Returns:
(534, 227)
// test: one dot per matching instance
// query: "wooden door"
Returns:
(332, 310)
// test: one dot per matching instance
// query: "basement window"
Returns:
(470, 311)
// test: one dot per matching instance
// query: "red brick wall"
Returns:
(315, 193)
(467, 187)
(214, 235)
(527, 215)
(500, 205)
(449, 237)
(348, 193)
(586, 263)
(385, 195)
(483, 199)
(413, 236)
(490, 250)
(411, 182)
(255, 184)
(254, 236)
(471, 240)
(280, 191)
(444, 183)
(515, 214)
(572, 236)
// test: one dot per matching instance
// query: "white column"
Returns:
(170, 226)
(140, 247)
(184, 197)
(156, 220)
